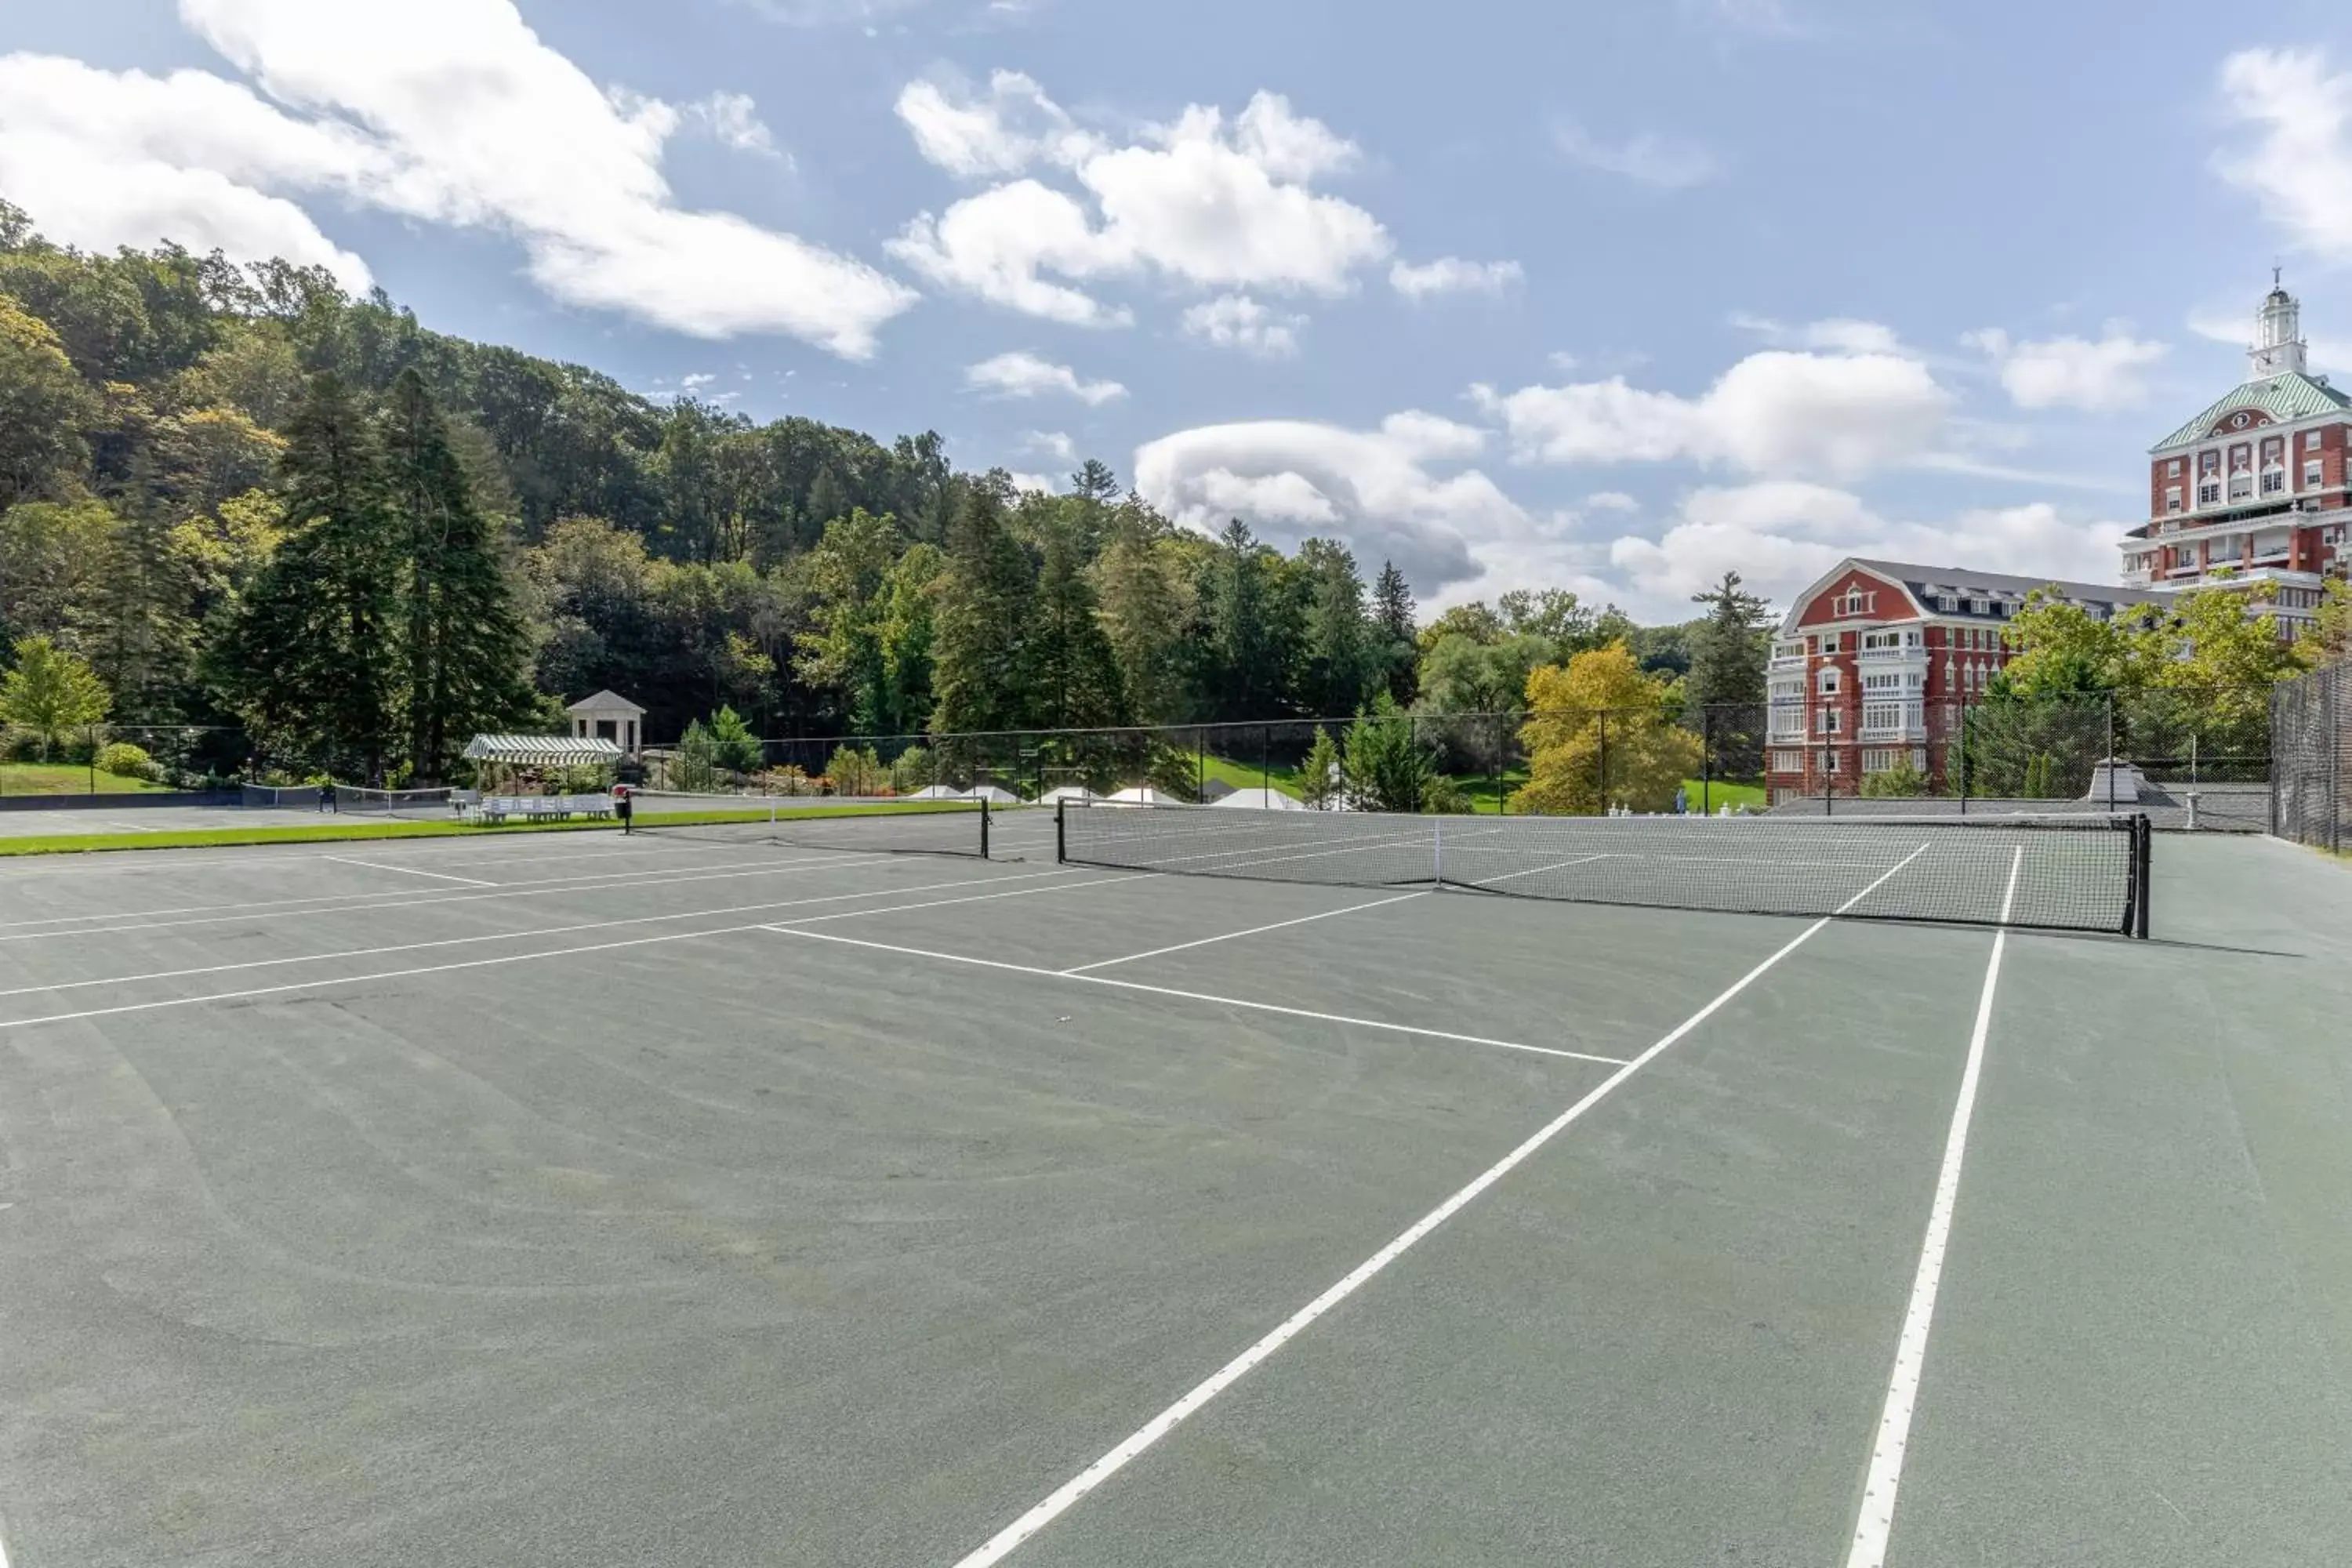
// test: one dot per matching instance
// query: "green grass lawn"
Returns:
(1482, 787)
(64, 778)
(1248, 774)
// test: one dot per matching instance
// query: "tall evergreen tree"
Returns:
(982, 668)
(1078, 679)
(465, 645)
(1724, 692)
(1395, 647)
(1094, 481)
(311, 657)
(1339, 656)
(1144, 608)
(1243, 674)
(149, 589)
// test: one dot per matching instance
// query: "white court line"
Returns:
(1877, 1522)
(521, 957)
(1059, 1501)
(1231, 935)
(792, 929)
(522, 935)
(368, 903)
(411, 871)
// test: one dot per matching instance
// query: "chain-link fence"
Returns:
(2187, 759)
(2311, 759)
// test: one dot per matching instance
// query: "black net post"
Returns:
(987, 813)
(2144, 835)
(1061, 830)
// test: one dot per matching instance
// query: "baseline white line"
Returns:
(509, 958)
(1059, 1501)
(411, 871)
(791, 929)
(1231, 935)
(520, 935)
(1875, 1525)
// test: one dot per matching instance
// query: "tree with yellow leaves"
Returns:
(1601, 733)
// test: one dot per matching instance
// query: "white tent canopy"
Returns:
(1143, 794)
(1260, 799)
(542, 751)
(936, 792)
(1059, 793)
(991, 793)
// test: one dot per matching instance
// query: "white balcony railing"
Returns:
(1787, 661)
(1894, 721)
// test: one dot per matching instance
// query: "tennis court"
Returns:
(751, 1192)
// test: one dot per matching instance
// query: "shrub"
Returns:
(915, 769)
(1901, 782)
(125, 761)
(1444, 796)
(856, 772)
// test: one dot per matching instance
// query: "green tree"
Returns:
(855, 770)
(849, 573)
(733, 746)
(1321, 780)
(1078, 679)
(1143, 593)
(907, 625)
(150, 589)
(49, 691)
(43, 410)
(311, 656)
(913, 769)
(1724, 693)
(983, 668)
(1901, 782)
(54, 560)
(1242, 648)
(2328, 638)
(1385, 767)
(1600, 732)
(694, 766)
(1392, 630)
(1339, 662)
(466, 647)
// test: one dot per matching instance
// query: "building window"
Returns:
(2172, 499)
(1855, 602)
(2311, 475)
(2184, 556)
(2173, 469)
(2241, 486)
(1890, 681)
(1829, 680)
(1788, 762)
(2209, 462)
(1947, 604)
(2311, 440)
(1826, 720)
(1980, 607)
(2209, 495)
(2273, 480)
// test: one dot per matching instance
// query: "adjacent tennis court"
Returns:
(749, 1189)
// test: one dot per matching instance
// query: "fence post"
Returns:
(1603, 762)
(1495, 766)
(2111, 751)
(1706, 760)
(2336, 727)
(1964, 758)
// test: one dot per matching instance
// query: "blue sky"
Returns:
(1604, 295)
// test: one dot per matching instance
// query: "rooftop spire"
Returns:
(2278, 348)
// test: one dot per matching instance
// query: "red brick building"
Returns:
(1872, 664)
(2255, 487)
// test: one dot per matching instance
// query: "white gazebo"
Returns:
(608, 716)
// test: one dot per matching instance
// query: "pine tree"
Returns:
(1339, 658)
(1144, 612)
(1318, 775)
(1077, 676)
(149, 590)
(1393, 610)
(1240, 641)
(310, 657)
(1724, 693)
(1095, 482)
(982, 674)
(464, 644)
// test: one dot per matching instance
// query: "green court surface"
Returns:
(573, 1199)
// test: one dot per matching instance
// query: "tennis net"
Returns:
(282, 796)
(419, 804)
(2065, 872)
(923, 827)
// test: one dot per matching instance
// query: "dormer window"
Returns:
(1853, 602)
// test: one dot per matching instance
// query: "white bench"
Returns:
(498, 808)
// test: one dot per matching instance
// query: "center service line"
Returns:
(1875, 1526)
(1006, 1541)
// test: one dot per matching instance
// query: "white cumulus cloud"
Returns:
(442, 112)
(1452, 275)
(2297, 160)
(1206, 201)
(1386, 491)
(1775, 412)
(1024, 374)
(1238, 322)
(2071, 372)
(1779, 535)
(1837, 335)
